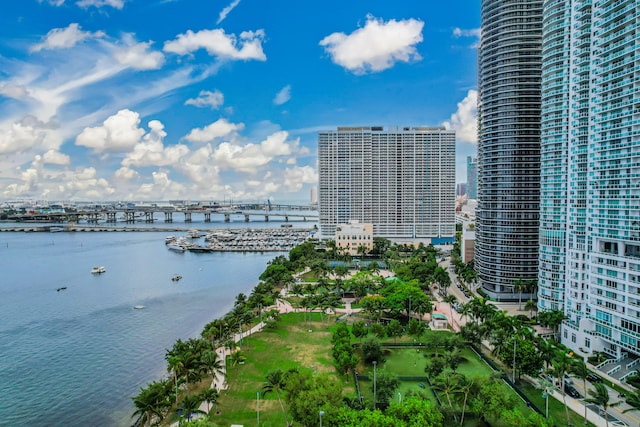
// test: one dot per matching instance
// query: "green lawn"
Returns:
(289, 345)
(556, 408)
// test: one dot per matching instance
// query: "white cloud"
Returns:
(473, 32)
(206, 98)
(224, 12)
(151, 150)
(217, 129)
(249, 158)
(116, 4)
(295, 178)
(119, 132)
(65, 38)
(56, 158)
(283, 96)
(15, 91)
(126, 174)
(218, 43)
(138, 56)
(465, 120)
(377, 46)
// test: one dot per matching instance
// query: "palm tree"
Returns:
(191, 405)
(580, 370)
(465, 385)
(531, 306)
(175, 366)
(209, 395)
(449, 385)
(212, 364)
(518, 286)
(237, 358)
(633, 399)
(275, 382)
(600, 397)
(151, 403)
(561, 365)
(450, 299)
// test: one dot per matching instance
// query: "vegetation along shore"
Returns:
(328, 340)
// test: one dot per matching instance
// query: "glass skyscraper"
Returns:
(507, 226)
(590, 179)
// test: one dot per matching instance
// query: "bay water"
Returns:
(76, 356)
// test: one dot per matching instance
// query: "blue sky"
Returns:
(211, 100)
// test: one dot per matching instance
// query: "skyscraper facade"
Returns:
(590, 180)
(472, 177)
(401, 180)
(509, 67)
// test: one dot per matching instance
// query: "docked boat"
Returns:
(199, 248)
(194, 234)
(169, 239)
(98, 269)
(177, 247)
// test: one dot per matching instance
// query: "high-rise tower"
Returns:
(400, 179)
(590, 184)
(509, 61)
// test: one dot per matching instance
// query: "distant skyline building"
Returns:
(509, 61)
(590, 183)
(472, 177)
(400, 179)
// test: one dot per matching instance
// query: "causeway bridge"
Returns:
(149, 214)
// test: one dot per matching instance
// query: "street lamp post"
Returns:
(399, 398)
(258, 407)
(374, 383)
(321, 413)
(513, 374)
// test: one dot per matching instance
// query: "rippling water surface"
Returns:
(76, 356)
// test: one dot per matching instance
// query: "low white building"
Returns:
(354, 235)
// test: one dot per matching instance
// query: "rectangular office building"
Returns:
(400, 179)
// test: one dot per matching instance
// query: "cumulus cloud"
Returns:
(224, 12)
(207, 98)
(283, 96)
(465, 120)
(56, 158)
(151, 150)
(64, 38)
(24, 135)
(217, 129)
(119, 132)
(138, 56)
(375, 47)
(296, 177)
(217, 43)
(248, 158)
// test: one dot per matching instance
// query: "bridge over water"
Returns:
(149, 214)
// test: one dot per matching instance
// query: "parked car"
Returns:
(594, 378)
(568, 380)
(571, 391)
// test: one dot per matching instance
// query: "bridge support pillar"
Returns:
(286, 218)
(187, 217)
(168, 217)
(111, 217)
(227, 217)
(207, 217)
(246, 217)
(148, 217)
(130, 216)
(266, 218)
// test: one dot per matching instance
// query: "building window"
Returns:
(573, 338)
(587, 342)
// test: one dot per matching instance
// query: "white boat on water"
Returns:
(138, 307)
(177, 247)
(169, 239)
(98, 269)
(194, 234)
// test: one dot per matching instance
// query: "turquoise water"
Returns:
(75, 357)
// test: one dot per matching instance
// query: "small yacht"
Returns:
(169, 239)
(194, 234)
(177, 246)
(176, 277)
(138, 307)
(98, 269)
